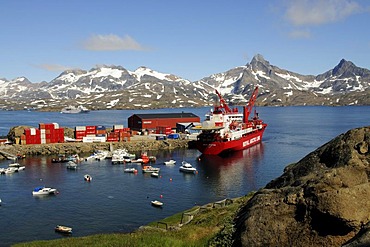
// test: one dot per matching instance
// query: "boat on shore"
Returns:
(227, 130)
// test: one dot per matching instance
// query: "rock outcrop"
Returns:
(323, 200)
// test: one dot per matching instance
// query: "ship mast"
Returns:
(250, 105)
(223, 103)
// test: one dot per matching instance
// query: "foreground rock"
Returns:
(323, 200)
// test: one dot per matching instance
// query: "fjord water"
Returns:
(115, 201)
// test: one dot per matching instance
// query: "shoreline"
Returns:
(80, 147)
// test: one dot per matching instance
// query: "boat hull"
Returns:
(219, 147)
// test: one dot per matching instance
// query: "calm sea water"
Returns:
(119, 202)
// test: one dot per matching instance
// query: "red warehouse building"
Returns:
(151, 121)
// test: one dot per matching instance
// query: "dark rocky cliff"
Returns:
(323, 200)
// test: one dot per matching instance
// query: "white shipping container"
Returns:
(56, 125)
(118, 126)
(33, 131)
(81, 128)
(93, 139)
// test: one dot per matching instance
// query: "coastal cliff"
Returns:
(323, 200)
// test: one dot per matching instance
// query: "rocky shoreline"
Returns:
(79, 147)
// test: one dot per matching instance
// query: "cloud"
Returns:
(53, 67)
(317, 12)
(111, 42)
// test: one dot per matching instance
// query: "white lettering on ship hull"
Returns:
(251, 141)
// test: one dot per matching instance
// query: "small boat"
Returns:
(170, 162)
(130, 170)
(187, 167)
(60, 159)
(154, 174)
(14, 165)
(63, 229)
(21, 168)
(10, 170)
(150, 169)
(71, 165)
(156, 203)
(44, 191)
(87, 177)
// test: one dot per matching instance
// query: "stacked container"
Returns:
(165, 130)
(80, 132)
(124, 134)
(46, 133)
(31, 136)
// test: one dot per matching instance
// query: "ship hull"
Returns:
(220, 147)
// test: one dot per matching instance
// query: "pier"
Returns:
(7, 155)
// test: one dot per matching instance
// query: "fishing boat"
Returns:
(150, 169)
(42, 190)
(227, 130)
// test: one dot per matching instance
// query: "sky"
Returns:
(40, 39)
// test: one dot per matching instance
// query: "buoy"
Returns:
(196, 172)
(161, 196)
(170, 179)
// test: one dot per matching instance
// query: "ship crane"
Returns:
(250, 105)
(223, 103)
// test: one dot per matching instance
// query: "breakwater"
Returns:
(79, 147)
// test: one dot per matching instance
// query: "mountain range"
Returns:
(114, 87)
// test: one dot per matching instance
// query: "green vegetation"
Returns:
(210, 225)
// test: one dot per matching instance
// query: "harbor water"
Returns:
(115, 201)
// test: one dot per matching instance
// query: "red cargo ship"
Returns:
(228, 130)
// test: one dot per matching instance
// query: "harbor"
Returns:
(119, 201)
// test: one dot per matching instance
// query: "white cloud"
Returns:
(111, 42)
(316, 12)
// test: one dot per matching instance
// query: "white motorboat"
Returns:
(155, 174)
(10, 170)
(170, 162)
(14, 165)
(187, 167)
(157, 203)
(71, 165)
(63, 229)
(87, 177)
(44, 191)
(130, 170)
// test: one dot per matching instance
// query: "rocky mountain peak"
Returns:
(343, 67)
(259, 63)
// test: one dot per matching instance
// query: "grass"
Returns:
(212, 225)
